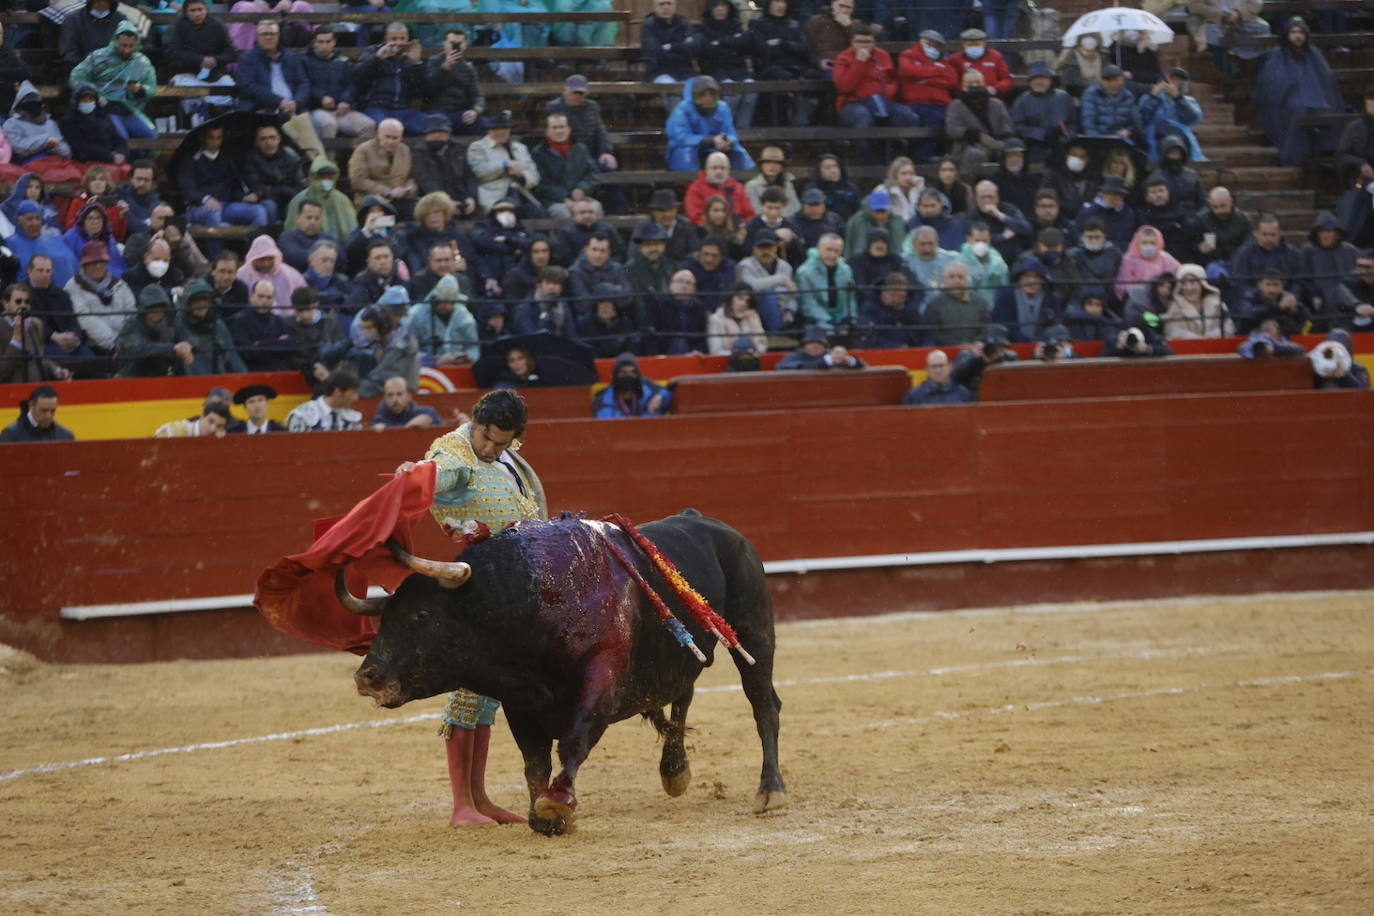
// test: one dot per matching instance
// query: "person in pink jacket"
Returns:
(264, 262)
(1144, 259)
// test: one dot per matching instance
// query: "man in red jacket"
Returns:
(926, 82)
(866, 87)
(715, 178)
(976, 55)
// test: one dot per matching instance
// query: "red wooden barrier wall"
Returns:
(137, 520)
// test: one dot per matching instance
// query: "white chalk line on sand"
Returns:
(724, 688)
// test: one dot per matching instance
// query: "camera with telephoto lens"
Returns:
(1050, 350)
(1135, 339)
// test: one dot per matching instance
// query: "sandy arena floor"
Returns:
(1205, 756)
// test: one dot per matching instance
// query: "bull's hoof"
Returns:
(676, 784)
(770, 801)
(552, 818)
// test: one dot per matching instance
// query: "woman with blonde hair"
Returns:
(903, 187)
(1197, 309)
(96, 183)
(735, 318)
(1118, 162)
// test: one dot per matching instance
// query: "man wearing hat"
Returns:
(451, 84)
(1028, 306)
(815, 220)
(682, 237)
(1015, 183)
(773, 174)
(31, 237)
(566, 171)
(442, 165)
(770, 277)
(584, 117)
(1043, 115)
(926, 80)
(649, 268)
(1109, 108)
(876, 214)
(1109, 206)
(503, 168)
(100, 300)
(990, 348)
(253, 399)
(976, 55)
(815, 352)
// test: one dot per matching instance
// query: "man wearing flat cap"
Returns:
(504, 168)
(1110, 108)
(1043, 115)
(253, 399)
(976, 55)
(926, 79)
(649, 267)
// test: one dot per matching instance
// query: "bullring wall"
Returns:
(124, 521)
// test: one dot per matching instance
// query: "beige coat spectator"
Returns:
(381, 165)
(499, 163)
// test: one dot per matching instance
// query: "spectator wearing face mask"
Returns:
(630, 394)
(338, 216)
(1080, 66)
(1144, 258)
(927, 82)
(1070, 179)
(976, 55)
(156, 269)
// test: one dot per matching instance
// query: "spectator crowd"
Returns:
(1056, 210)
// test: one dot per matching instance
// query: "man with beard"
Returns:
(125, 78)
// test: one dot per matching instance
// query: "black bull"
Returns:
(551, 625)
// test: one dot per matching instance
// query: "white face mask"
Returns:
(85, 107)
(326, 184)
(506, 218)
(979, 249)
(974, 52)
(1075, 164)
(932, 52)
(156, 269)
(1148, 251)
(1090, 43)
(1093, 246)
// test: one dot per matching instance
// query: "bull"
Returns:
(544, 618)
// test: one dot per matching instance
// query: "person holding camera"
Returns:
(1136, 340)
(991, 349)
(451, 84)
(389, 76)
(22, 359)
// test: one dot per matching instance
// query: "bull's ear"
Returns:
(367, 607)
(449, 575)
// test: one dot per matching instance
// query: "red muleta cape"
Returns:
(297, 594)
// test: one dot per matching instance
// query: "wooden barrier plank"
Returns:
(1034, 381)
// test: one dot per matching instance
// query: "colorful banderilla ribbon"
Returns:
(701, 609)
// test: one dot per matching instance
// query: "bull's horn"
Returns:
(451, 574)
(367, 607)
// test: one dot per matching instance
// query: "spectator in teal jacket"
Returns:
(444, 327)
(113, 70)
(825, 285)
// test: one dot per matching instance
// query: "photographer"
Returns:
(1056, 345)
(994, 348)
(1334, 366)
(1137, 340)
(451, 84)
(389, 77)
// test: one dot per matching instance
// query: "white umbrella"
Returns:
(1110, 22)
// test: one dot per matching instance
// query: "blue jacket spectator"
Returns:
(1028, 306)
(630, 394)
(938, 388)
(933, 210)
(1109, 206)
(667, 43)
(1267, 340)
(1109, 107)
(699, 117)
(892, 316)
(1169, 111)
(269, 76)
(31, 237)
(332, 76)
